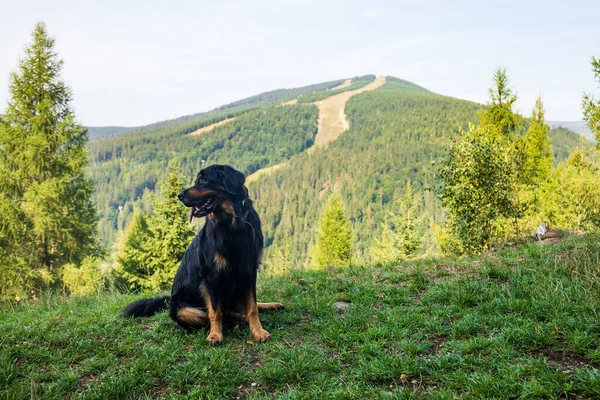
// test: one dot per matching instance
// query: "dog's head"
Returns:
(217, 188)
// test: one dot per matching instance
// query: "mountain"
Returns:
(397, 132)
(575, 126)
(273, 96)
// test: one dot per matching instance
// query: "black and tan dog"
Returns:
(216, 279)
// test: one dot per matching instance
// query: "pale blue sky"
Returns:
(132, 63)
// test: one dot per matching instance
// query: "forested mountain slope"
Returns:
(396, 132)
(306, 93)
(126, 169)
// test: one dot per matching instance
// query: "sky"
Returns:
(131, 62)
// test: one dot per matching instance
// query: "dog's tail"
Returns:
(146, 307)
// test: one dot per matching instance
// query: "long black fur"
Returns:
(232, 230)
(147, 307)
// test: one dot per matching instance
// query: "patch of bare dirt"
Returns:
(567, 362)
(264, 171)
(209, 128)
(332, 118)
(344, 85)
(290, 102)
(88, 380)
(438, 344)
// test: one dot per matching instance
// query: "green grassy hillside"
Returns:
(520, 323)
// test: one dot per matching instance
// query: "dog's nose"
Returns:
(180, 195)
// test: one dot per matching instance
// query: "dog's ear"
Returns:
(233, 180)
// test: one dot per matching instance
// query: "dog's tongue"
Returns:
(192, 209)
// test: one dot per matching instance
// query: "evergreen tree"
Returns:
(499, 112)
(133, 259)
(154, 245)
(46, 216)
(591, 107)
(571, 197)
(538, 152)
(334, 238)
(401, 236)
(477, 188)
(170, 231)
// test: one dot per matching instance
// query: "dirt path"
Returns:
(264, 171)
(331, 124)
(210, 127)
(344, 85)
(332, 117)
(290, 102)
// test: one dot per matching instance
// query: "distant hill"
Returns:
(273, 96)
(575, 126)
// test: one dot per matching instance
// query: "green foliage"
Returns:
(402, 234)
(334, 238)
(154, 245)
(126, 168)
(88, 278)
(570, 199)
(499, 112)
(134, 257)
(46, 216)
(396, 133)
(538, 152)
(591, 107)
(477, 188)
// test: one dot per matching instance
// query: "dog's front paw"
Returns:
(278, 306)
(261, 335)
(215, 338)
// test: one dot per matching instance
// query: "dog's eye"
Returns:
(201, 181)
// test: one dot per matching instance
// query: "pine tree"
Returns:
(477, 188)
(46, 216)
(170, 231)
(401, 236)
(154, 245)
(133, 259)
(499, 112)
(571, 197)
(591, 107)
(538, 151)
(334, 238)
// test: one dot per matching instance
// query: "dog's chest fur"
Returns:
(235, 249)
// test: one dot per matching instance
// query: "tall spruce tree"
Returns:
(402, 230)
(133, 263)
(591, 107)
(154, 245)
(46, 216)
(170, 230)
(334, 238)
(499, 112)
(538, 151)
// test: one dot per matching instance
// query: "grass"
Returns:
(519, 323)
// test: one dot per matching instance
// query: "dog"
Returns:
(216, 279)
